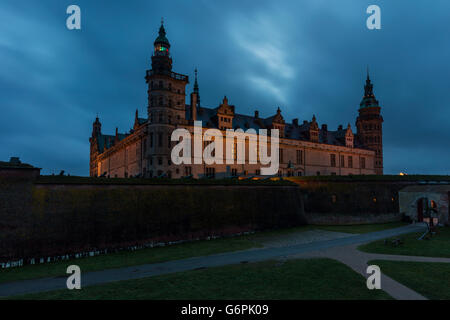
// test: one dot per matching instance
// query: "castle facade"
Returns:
(304, 148)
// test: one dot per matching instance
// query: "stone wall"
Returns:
(410, 197)
(56, 219)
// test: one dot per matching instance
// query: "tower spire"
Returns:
(196, 90)
(369, 99)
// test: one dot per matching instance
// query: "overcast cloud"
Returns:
(307, 57)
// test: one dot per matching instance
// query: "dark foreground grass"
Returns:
(437, 246)
(128, 258)
(174, 252)
(293, 279)
(430, 279)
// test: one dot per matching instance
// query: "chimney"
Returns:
(325, 133)
(295, 122)
(256, 114)
(116, 138)
(194, 106)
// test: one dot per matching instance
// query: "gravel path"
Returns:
(302, 238)
(253, 255)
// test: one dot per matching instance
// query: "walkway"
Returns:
(358, 261)
(338, 248)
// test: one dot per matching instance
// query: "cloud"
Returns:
(308, 57)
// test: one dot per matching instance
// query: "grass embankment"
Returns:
(162, 181)
(430, 279)
(174, 252)
(293, 279)
(437, 246)
(369, 178)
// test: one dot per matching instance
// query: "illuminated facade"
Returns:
(305, 148)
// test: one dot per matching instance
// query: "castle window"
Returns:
(299, 156)
(318, 173)
(234, 172)
(159, 162)
(160, 84)
(170, 86)
(342, 161)
(170, 102)
(350, 161)
(333, 160)
(281, 155)
(187, 171)
(257, 172)
(145, 145)
(159, 139)
(151, 139)
(160, 100)
(363, 163)
(299, 173)
(160, 117)
(210, 172)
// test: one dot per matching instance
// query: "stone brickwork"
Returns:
(415, 199)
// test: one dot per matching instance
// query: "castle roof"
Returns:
(208, 116)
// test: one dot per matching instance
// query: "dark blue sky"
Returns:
(308, 57)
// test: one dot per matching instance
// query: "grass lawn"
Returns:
(431, 280)
(175, 252)
(438, 246)
(293, 279)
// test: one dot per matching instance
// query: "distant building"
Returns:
(16, 169)
(305, 148)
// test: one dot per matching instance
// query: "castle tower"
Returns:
(369, 125)
(166, 107)
(94, 148)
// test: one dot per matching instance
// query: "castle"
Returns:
(304, 148)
